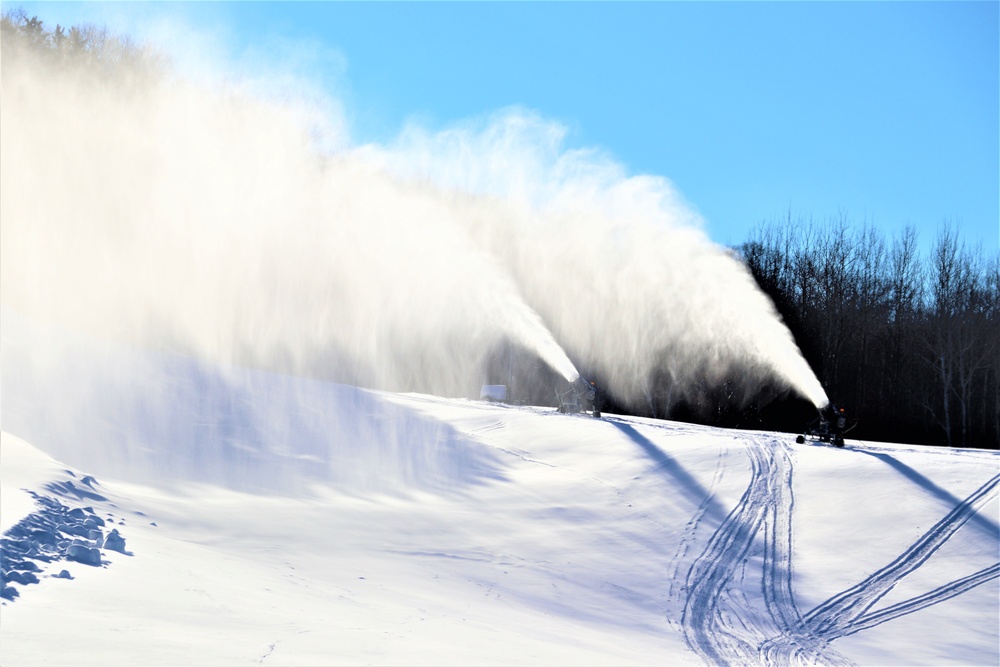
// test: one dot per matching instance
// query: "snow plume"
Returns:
(617, 265)
(204, 219)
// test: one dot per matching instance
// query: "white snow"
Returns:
(303, 523)
(21, 467)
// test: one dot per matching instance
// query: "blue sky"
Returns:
(887, 112)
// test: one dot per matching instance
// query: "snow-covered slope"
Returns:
(271, 519)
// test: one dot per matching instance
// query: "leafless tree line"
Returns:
(118, 58)
(910, 343)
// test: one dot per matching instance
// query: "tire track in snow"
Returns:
(836, 616)
(694, 523)
(723, 626)
(777, 577)
(677, 588)
(706, 628)
(939, 594)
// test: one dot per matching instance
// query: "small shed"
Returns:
(493, 392)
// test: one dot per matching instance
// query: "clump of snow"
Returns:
(52, 533)
(84, 554)
(115, 542)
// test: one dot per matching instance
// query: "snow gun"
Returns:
(581, 396)
(830, 426)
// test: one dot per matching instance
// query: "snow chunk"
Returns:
(84, 554)
(115, 542)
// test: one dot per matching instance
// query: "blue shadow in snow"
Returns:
(161, 417)
(675, 472)
(992, 528)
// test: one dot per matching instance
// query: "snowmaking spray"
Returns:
(231, 226)
(204, 221)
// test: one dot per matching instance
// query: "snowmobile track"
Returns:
(833, 618)
(712, 631)
(939, 594)
(717, 616)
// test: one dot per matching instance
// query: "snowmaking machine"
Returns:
(581, 396)
(830, 426)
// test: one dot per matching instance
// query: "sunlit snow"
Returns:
(273, 519)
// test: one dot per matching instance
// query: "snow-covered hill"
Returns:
(277, 520)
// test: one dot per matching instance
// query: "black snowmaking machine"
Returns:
(830, 426)
(581, 396)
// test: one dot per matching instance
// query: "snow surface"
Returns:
(279, 520)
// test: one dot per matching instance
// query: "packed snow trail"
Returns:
(724, 628)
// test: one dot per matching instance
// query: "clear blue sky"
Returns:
(886, 111)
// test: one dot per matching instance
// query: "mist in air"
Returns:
(218, 222)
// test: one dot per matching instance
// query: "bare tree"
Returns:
(905, 294)
(871, 290)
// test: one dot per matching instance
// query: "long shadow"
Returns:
(992, 528)
(674, 471)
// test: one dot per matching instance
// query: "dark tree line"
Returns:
(910, 344)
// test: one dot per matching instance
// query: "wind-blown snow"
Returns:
(344, 526)
(206, 220)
